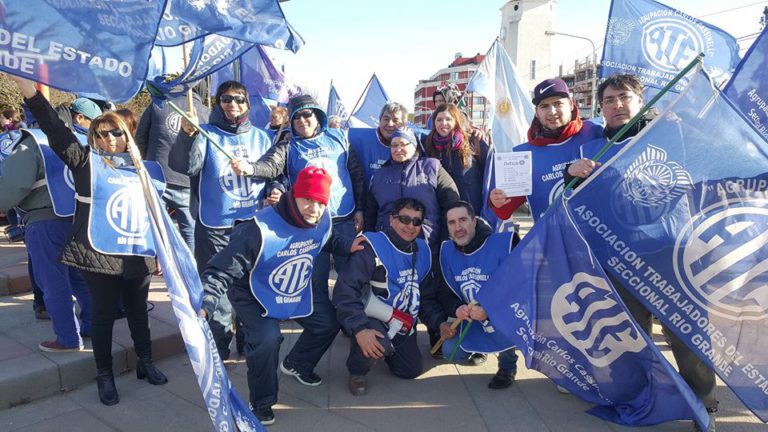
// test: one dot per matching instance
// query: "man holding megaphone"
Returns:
(378, 297)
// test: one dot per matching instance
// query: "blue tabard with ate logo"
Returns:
(369, 149)
(327, 150)
(402, 285)
(118, 223)
(466, 274)
(549, 162)
(281, 278)
(224, 196)
(58, 177)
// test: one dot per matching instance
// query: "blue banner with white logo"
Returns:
(568, 321)
(748, 87)
(680, 218)
(259, 74)
(373, 99)
(254, 21)
(655, 42)
(98, 49)
(222, 402)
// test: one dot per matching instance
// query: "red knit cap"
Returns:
(313, 183)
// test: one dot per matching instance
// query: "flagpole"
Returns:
(197, 126)
(620, 134)
(185, 56)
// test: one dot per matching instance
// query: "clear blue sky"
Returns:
(407, 40)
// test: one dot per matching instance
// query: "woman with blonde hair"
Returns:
(113, 253)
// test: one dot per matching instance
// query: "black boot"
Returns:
(105, 381)
(146, 369)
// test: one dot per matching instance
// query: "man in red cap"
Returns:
(266, 272)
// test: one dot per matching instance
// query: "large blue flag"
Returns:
(259, 74)
(373, 99)
(497, 80)
(748, 87)
(254, 21)
(655, 42)
(554, 301)
(98, 49)
(336, 107)
(222, 402)
(680, 217)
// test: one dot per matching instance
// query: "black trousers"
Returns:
(401, 354)
(105, 294)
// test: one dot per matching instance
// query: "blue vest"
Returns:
(281, 278)
(58, 177)
(118, 222)
(402, 291)
(328, 150)
(369, 149)
(224, 196)
(591, 148)
(548, 164)
(414, 179)
(465, 275)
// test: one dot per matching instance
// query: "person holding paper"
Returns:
(554, 138)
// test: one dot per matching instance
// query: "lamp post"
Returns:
(594, 65)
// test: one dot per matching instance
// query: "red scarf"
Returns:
(536, 136)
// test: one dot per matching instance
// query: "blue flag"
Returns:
(336, 107)
(497, 80)
(254, 21)
(680, 217)
(98, 49)
(570, 324)
(748, 87)
(655, 42)
(259, 74)
(373, 99)
(222, 402)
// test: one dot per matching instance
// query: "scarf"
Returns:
(538, 136)
(441, 143)
(237, 126)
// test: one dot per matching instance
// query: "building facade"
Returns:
(522, 32)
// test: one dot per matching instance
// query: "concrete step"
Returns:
(14, 277)
(28, 374)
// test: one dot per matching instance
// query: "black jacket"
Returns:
(78, 252)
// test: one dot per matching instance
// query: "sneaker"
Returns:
(265, 415)
(502, 379)
(711, 428)
(311, 379)
(41, 313)
(476, 359)
(55, 346)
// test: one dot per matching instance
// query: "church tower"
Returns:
(523, 23)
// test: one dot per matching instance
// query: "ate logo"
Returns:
(669, 44)
(587, 315)
(720, 259)
(127, 213)
(469, 289)
(234, 186)
(69, 180)
(408, 299)
(292, 277)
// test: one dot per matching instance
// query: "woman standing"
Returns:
(110, 267)
(461, 154)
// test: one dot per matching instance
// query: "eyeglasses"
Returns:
(230, 98)
(623, 98)
(117, 133)
(405, 220)
(304, 114)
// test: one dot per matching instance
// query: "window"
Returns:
(478, 100)
(454, 76)
(533, 69)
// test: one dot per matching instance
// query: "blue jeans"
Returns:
(179, 200)
(45, 240)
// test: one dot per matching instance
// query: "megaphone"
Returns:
(397, 321)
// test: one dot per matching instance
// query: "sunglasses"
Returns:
(405, 220)
(117, 133)
(304, 114)
(229, 98)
